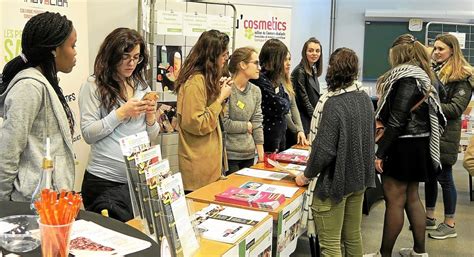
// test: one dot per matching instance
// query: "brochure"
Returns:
(288, 192)
(251, 198)
(91, 239)
(293, 169)
(226, 224)
(265, 174)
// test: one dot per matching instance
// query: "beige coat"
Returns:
(200, 138)
(469, 157)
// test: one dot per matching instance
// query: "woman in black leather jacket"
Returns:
(454, 72)
(305, 80)
(408, 152)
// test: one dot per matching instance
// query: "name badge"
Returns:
(240, 105)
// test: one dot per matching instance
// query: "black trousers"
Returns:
(235, 165)
(93, 187)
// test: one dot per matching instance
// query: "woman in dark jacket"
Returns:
(454, 72)
(305, 80)
(408, 152)
(275, 101)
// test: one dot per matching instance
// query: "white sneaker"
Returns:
(377, 254)
(409, 252)
(405, 252)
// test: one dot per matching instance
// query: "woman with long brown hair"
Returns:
(454, 73)
(201, 93)
(305, 80)
(275, 101)
(408, 152)
(112, 107)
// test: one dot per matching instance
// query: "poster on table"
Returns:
(13, 16)
(256, 24)
(289, 227)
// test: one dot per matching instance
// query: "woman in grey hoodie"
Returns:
(34, 108)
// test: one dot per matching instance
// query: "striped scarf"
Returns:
(442, 70)
(437, 118)
(307, 218)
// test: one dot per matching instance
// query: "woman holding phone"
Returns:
(113, 105)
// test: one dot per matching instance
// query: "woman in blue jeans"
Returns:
(454, 73)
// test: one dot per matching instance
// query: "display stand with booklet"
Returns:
(158, 193)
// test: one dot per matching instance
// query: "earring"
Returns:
(53, 53)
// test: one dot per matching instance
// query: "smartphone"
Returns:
(152, 95)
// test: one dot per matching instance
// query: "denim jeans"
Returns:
(339, 223)
(445, 179)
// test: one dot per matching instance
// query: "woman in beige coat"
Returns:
(201, 92)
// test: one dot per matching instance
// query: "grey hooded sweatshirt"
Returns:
(31, 111)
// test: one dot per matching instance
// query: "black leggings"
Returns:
(402, 196)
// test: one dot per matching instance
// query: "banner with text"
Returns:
(256, 24)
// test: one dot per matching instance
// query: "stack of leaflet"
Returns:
(251, 198)
(296, 156)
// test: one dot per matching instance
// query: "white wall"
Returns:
(350, 17)
(106, 15)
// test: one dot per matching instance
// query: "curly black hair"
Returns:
(42, 34)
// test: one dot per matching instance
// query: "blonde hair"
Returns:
(287, 82)
(242, 54)
(456, 68)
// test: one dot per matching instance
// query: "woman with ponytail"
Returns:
(34, 108)
(408, 152)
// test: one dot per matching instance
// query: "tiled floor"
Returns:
(462, 246)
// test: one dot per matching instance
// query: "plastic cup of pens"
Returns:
(57, 213)
(268, 155)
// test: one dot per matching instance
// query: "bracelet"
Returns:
(150, 124)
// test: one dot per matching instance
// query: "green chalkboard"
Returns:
(378, 39)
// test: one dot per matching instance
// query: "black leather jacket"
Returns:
(307, 94)
(397, 117)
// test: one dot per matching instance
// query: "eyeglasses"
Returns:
(256, 62)
(128, 58)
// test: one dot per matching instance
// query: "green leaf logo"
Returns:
(249, 33)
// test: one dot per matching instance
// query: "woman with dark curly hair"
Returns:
(343, 121)
(35, 110)
(112, 107)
